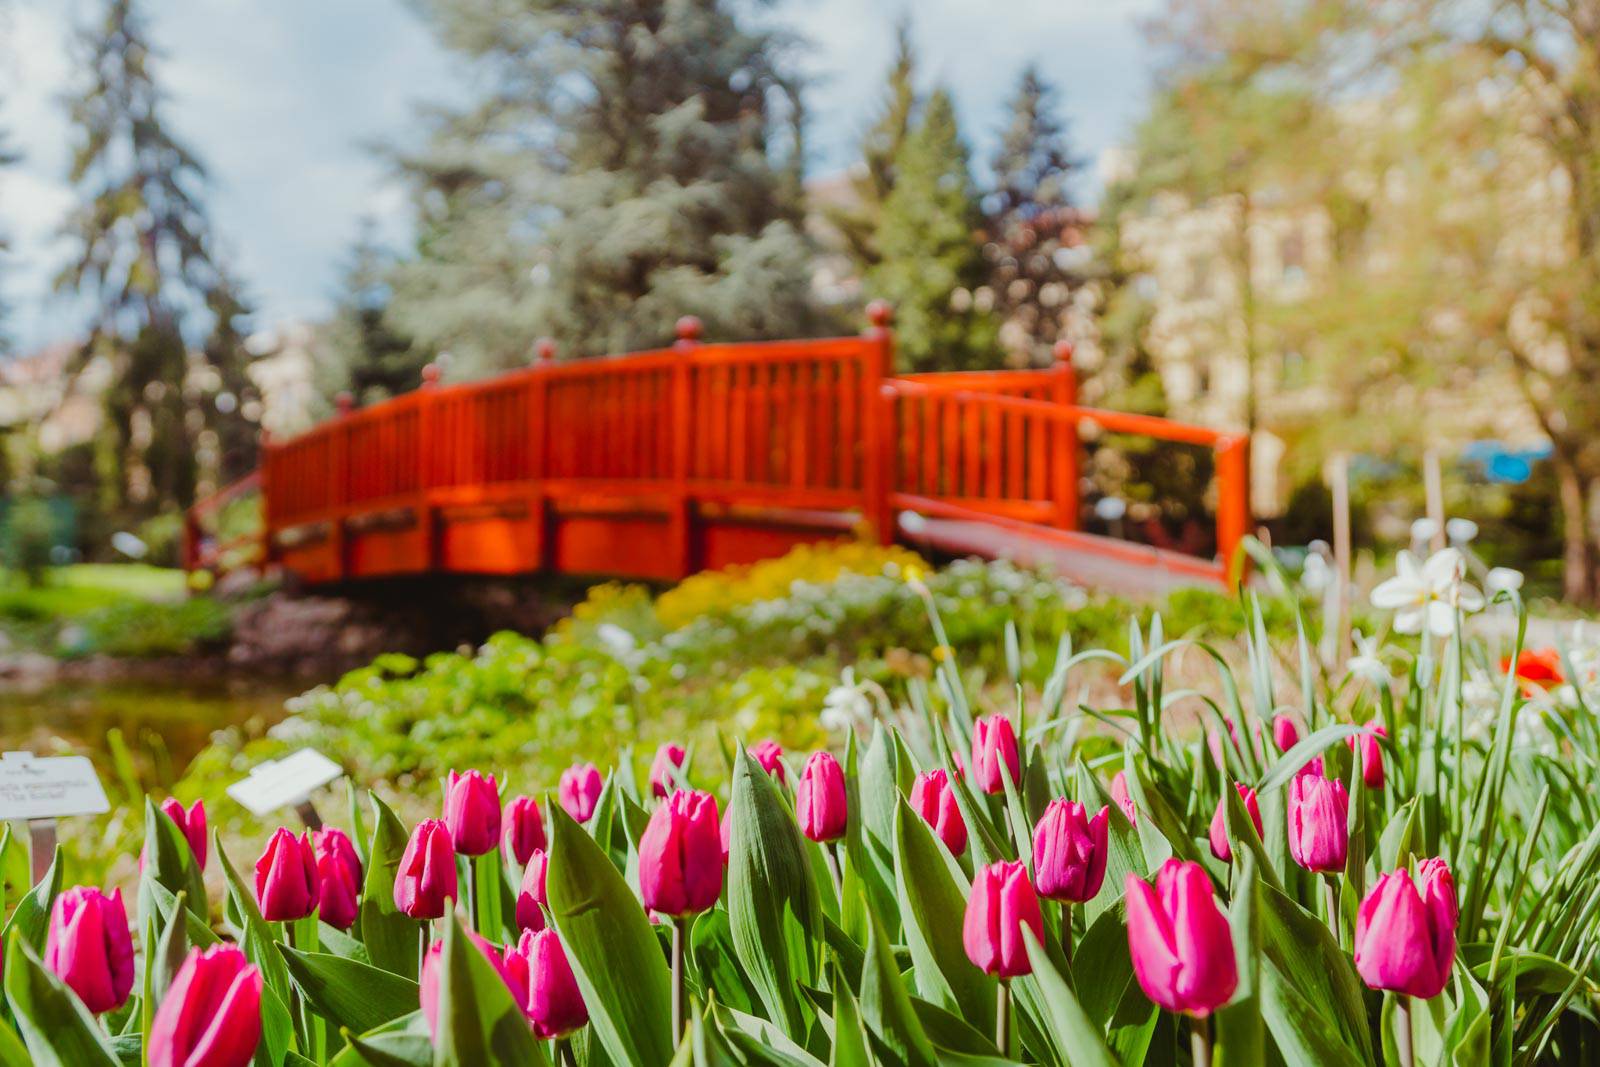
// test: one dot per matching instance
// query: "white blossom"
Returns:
(1427, 595)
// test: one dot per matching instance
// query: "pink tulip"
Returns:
(192, 823)
(1319, 833)
(579, 790)
(1002, 902)
(1069, 851)
(429, 992)
(1119, 793)
(1369, 753)
(725, 833)
(995, 740)
(524, 828)
(211, 1015)
(1285, 732)
(819, 799)
(770, 755)
(425, 883)
(554, 1003)
(1181, 944)
(680, 855)
(1219, 826)
(472, 812)
(90, 947)
(933, 798)
(1405, 939)
(531, 898)
(338, 877)
(664, 769)
(286, 877)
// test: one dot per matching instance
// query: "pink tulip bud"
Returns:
(580, 790)
(934, 800)
(819, 799)
(531, 898)
(1405, 939)
(211, 1015)
(1002, 902)
(192, 823)
(680, 855)
(90, 947)
(1319, 832)
(770, 755)
(1369, 754)
(286, 877)
(1069, 851)
(524, 828)
(1285, 732)
(554, 1003)
(1181, 944)
(1219, 825)
(663, 769)
(993, 740)
(472, 812)
(338, 877)
(725, 833)
(425, 883)
(516, 983)
(1120, 794)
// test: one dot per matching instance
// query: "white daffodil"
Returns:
(1426, 596)
(1502, 580)
(1366, 663)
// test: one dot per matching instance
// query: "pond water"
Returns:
(164, 724)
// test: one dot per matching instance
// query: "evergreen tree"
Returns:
(633, 161)
(144, 261)
(873, 178)
(360, 350)
(932, 268)
(7, 158)
(1037, 249)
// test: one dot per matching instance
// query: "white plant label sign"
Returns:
(50, 787)
(286, 782)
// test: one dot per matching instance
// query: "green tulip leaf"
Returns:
(391, 937)
(479, 1021)
(349, 994)
(57, 1028)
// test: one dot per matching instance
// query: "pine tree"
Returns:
(7, 158)
(872, 179)
(360, 350)
(1037, 252)
(932, 268)
(634, 160)
(144, 262)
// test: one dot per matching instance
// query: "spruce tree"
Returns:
(144, 262)
(1037, 250)
(932, 268)
(632, 161)
(360, 351)
(873, 177)
(7, 158)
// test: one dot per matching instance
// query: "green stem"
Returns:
(1408, 1056)
(564, 1053)
(472, 891)
(1002, 1016)
(678, 978)
(1200, 1040)
(1066, 933)
(1331, 899)
(830, 852)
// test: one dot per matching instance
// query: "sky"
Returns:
(285, 101)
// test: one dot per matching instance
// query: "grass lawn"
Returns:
(129, 609)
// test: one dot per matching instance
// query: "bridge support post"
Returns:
(427, 515)
(680, 521)
(877, 424)
(1065, 433)
(1233, 505)
(539, 453)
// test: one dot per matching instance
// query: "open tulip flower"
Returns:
(90, 947)
(994, 742)
(286, 877)
(211, 1015)
(1220, 847)
(472, 812)
(1406, 931)
(1181, 944)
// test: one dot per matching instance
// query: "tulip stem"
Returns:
(1200, 1040)
(1066, 933)
(1002, 1016)
(1403, 1013)
(678, 937)
(1332, 898)
(830, 852)
(564, 1053)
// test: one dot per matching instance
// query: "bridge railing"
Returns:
(815, 426)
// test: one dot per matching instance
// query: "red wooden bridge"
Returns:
(658, 464)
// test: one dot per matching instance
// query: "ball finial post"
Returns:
(544, 350)
(689, 330)
(430, 375)
(344, 402)
(1063, 352)
(881, 314)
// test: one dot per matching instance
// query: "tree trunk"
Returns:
(1579, 553)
